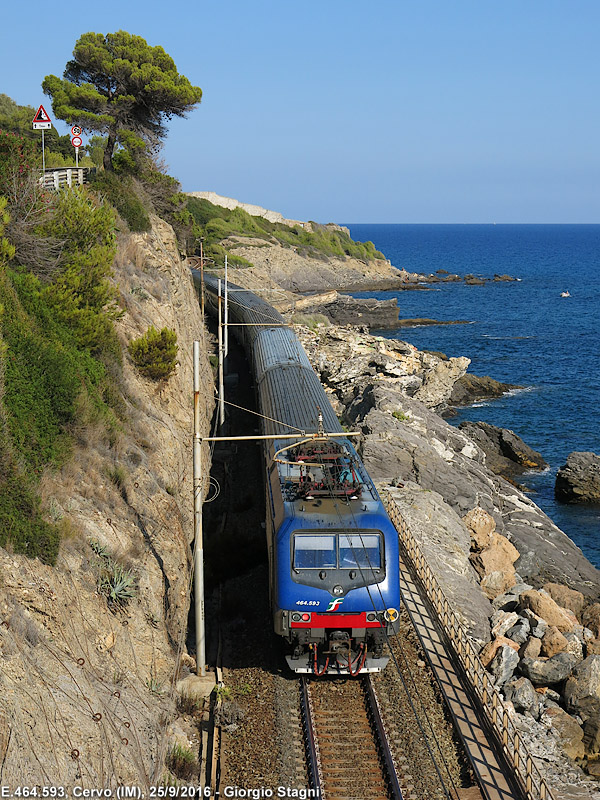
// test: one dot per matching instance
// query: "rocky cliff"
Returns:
(90, 649)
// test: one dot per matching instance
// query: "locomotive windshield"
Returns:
(315, 552)
(337, 551)
(360, 550)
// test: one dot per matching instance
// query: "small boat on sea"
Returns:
(565, 294)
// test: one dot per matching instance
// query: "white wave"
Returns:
(521, 390)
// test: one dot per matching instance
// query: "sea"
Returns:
(522, 332)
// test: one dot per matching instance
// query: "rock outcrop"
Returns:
(343, 309)
(578, 481)
(85, 682)
(506, 453)
(470, 388)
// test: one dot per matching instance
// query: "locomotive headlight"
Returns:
(338, 589)
(296, 617)
(371, 616)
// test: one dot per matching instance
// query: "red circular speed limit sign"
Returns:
(76, 130)
(76, 141)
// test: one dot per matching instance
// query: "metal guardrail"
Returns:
(480, 680)
(54, 178)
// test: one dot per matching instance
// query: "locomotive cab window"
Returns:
(314, 552)
(360, 550)
(337, 551)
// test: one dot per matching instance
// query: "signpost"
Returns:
(42, 122)
(76, 141)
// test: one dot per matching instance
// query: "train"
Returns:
(334, 582)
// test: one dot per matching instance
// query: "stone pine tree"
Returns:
(121, 87)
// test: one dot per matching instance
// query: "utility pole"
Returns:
(198, 543)
(220, 346)
(226, 331)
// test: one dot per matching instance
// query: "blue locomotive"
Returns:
(333, 552)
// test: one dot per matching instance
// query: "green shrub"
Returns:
(155, 353)
(214, 223)
(311, 321)
(120, 192)
(181, 762)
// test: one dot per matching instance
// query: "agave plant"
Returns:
(118, 584)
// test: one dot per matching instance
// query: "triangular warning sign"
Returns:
(41, 115)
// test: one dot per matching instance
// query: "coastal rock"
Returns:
(575, 646)
(531, 648)
(582, 690)
(520, 631)
(489, 650)
(503, 665)
(544, 606)
(502, 621)
(591, 618)
(494, 565)
(506, 453)
(553, 642)
(481, 525)
(538, 625)
(548, 671)
(582, 697)
(446, 547)
(470, 388)
(471, 280)
(565, 597)
(344, 309)
(509, 601)
(568, 731)
(439, 381)
(521, 693)
(578, 481)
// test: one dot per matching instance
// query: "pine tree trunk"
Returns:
(109, 150)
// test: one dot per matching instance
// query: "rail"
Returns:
(54, 178)
(533, 782)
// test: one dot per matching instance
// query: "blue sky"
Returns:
(392, 111)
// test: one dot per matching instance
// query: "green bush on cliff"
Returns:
(155, 353)
(120, 192)
(58, 355)
(215, 223)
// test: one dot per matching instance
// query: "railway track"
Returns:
(348, 755)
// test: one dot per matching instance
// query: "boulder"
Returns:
(553, 642)
(591, 618)
(481, 526)
(494, 565)
(521, 693)
(506, 453)
(545, 607)
(592, 648)
(489, 650)
(565, 597)
(548, 671)
(575, 646)
(501, 621)
(531, 648)
(470, 388)
(520, 631)
(582, 690)
(509, 601)
(569, 732)
(538, 625)
(578, 481)
(504, 664)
